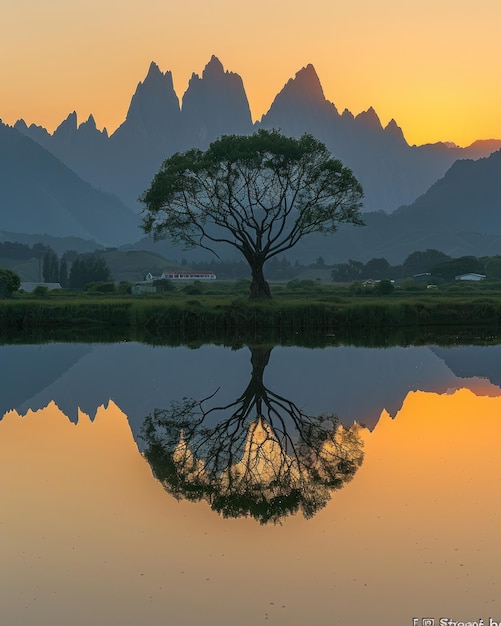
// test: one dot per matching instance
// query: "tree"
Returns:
(261, 194)
(259, 455)
(448, 270)
(493, 267)
(50, 267)
(377, 269)
(420, 261)
(347, 272)
(9, 282)
(384, 287)
(86, 270)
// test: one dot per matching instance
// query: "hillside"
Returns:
(39, 194)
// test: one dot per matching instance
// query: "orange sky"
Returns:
(433, 66)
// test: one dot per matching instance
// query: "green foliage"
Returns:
(63, 272)
(493, 267)
(193, 290)
(124, 287)
(50, 267)
(88, 269)
(409, 284)
(348, 272)
(297, 284)
(420, 262)
(105, 287)
(164, 284)
(377, 269)
(448, 270)
(9, 282)
(291, 316)
(384, 288)
(41, 291)
(260, 194)
(15, 250)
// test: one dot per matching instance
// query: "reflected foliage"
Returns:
(258, 456)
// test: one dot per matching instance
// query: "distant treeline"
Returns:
(21, 251)
(74, 270)
(440, 266)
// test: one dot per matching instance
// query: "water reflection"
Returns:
(260, 455)
(90, 537)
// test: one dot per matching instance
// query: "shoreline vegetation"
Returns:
(307, 317)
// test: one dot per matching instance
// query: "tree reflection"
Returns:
(260, 455)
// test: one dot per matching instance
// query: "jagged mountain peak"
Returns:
(68, 126)
(213, 72)
(213, 67)
(301, 106)
(394, 130)
(153, 70)
(90, 127)
(20, 125)
(155, 79)
(305, 86)
(71, 120)
(153, 104)
(369, 119)
(214, 104)
(308, 77)
(90, 123)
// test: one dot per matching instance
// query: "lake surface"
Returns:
(285, 485)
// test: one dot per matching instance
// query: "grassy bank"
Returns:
(218, 315)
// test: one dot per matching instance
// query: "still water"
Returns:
(149, 485)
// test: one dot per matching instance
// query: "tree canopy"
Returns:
(9, 282)
(259, 455)
(261, 194)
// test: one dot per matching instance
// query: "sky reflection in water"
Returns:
(90, 536)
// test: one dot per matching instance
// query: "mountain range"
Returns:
(39, 194)
(81, 181)
(157, 125)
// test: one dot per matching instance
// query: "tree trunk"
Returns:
(259, 288)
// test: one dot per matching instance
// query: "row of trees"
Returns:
(83, 269)
(21, 251)
(438, 264)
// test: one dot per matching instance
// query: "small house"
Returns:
(471, 276)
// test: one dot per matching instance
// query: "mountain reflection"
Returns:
(258, 456)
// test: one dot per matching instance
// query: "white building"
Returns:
(181, 275)
(471, 276)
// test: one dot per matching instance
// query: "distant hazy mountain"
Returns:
(214, 104)
(391, 172)
(467, 198)
(39, 194)
(460, 215)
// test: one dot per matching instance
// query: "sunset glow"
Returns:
(101, 542)
(432, 66)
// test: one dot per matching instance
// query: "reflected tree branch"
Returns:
(260, 455)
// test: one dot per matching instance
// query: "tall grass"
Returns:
(205, 315)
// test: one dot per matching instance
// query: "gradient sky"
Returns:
(434, 66)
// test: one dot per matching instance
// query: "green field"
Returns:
(301, 309)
